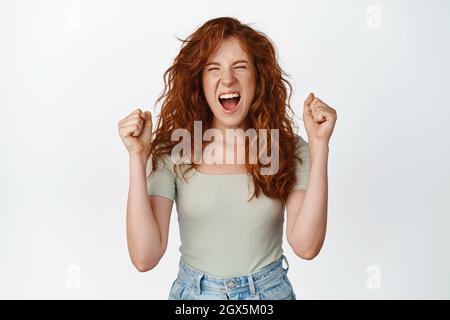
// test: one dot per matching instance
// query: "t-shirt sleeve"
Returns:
(162, 181)
(302, 170)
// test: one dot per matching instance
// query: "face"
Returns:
(229, 81)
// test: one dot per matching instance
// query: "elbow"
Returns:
(144, 260)
(145, 265)
(307, 255)
(307, 251)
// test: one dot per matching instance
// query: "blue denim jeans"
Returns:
(268, 283)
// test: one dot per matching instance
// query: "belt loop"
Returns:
(251, 285)
(287, 263)
(198, 284)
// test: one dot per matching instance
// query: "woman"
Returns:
(226, 77)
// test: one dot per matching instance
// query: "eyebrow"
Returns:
(218, 64)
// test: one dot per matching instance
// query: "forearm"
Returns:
(143, 234)
(308, 232)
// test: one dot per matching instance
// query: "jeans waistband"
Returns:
(201, 280)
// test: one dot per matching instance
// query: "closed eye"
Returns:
(210, 69)
(241, 67)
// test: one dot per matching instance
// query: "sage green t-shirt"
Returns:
(221, 233)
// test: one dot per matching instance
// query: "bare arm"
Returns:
(307, 210)
(148, 219)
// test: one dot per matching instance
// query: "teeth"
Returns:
(229, 96)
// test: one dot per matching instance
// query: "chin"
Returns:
(231, 120)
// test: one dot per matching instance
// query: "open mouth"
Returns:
(230, 101)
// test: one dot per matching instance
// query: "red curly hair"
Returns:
(183, 101)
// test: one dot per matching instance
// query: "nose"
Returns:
(227, 78)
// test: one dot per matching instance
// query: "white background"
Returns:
(70, 70)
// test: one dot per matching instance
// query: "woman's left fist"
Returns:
(319, 119)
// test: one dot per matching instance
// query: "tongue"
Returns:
(230, 104)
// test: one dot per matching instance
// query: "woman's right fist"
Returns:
(135, 130)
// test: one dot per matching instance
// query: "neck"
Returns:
(226, 139)
(223, 128)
